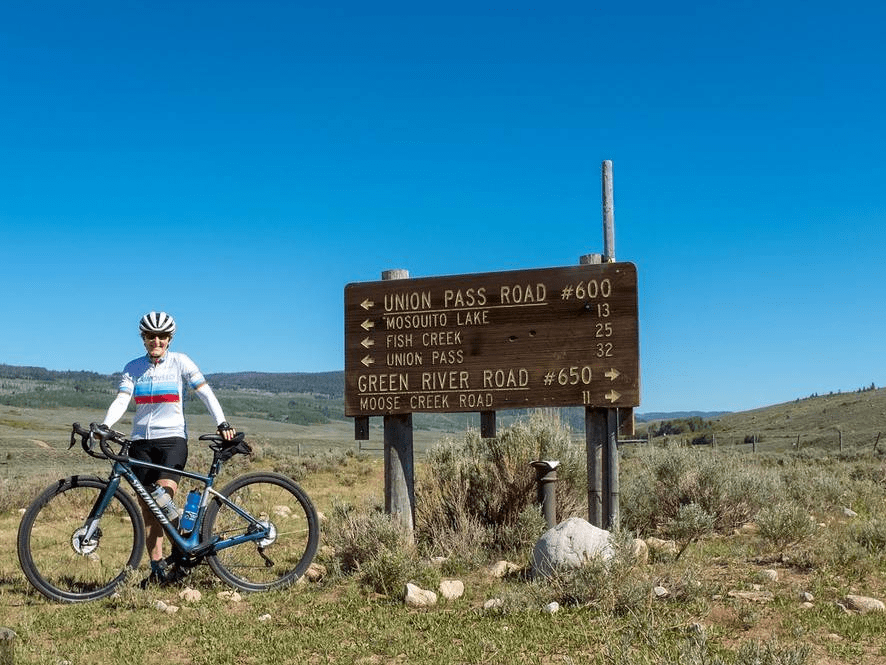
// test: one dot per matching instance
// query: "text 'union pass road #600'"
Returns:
(84, 534)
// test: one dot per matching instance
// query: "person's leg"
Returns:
(171, 452)
(154, 530)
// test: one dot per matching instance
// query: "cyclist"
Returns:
(156, 381)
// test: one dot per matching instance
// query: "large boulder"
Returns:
(570, 544)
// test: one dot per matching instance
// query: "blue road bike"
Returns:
(84, 535)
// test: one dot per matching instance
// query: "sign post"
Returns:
(545, 337)
(399, 458)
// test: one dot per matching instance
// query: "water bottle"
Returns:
(189, 514)
(164, 500)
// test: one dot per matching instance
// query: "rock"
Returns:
(640, 551)
(747, 529)
(660, 592)
(503, 568)
(806, 597)
(658, 546)
(848, 512)
(418, 597)
(807, 605)
(863, 604)
(265, 617)
(281, 511)
(316, 572)
(552, 608)
(160, 605)
(232, 596)
(190, 595)
(439, 560)
(570, 544)
(752, 596)
(493, 604)
(769, 574)
(452, 589)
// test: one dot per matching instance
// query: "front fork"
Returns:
(86, 534)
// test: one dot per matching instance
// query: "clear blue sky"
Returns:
(237, 163)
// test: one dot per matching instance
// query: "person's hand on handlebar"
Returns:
(225, 430)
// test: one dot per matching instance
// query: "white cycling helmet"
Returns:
(157, 322)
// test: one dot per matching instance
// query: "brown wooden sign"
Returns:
(546, 337)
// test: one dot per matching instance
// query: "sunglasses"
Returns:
(147, 336)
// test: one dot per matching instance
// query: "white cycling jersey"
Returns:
(157, 390)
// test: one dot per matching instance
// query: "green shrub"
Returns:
(871, 534)
(359, 536)
(487, 486)
(784, 524)
(387, 571)
(691, 523)
(370, 544)
(722, 484)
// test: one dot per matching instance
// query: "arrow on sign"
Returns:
(612, 396)
(367, 304)
(367, 325)
(366, 343)
(367, 361)
(612, 374)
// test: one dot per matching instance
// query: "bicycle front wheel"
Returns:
(55, 553)
(293, 532)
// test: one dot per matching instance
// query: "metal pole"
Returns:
(608, 213)
(399, 464)
(546, 479)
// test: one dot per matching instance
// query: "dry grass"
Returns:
(604, 620)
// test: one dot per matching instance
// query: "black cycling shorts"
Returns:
(171, 451)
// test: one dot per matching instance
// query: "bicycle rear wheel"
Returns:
(280, 558)
(53, 553)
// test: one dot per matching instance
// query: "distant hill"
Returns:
(324, 385)
(674, 415)
(328, 384)
(310, 398)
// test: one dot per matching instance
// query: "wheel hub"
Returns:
(85, 547)
(272, 534)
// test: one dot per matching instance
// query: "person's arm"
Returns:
(199, 385)
(204, 392)
(117, 409)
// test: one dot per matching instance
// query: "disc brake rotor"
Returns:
(85, 547)
(271, 537)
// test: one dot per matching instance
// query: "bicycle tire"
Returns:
(65, 569)
(257, 565)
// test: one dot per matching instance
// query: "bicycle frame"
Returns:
(192, 544)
